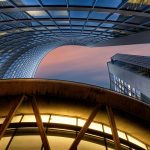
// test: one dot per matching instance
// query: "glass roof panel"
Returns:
(100, 29)
(81, 2)
(54, 2)
(26, 2)
(108, 3)
(138, 20)
(114, 17)
(4, 3)
(62, 22)
(107, 25)
(38, 14)
(98, 15)
(46, 23)
(59, 14)
(79, 14)
(17, 15)
(35, 23)
(89, 23)
(4, 17)
(77, 22)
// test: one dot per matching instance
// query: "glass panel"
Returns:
(96, 126)
(92, 23)
(2, 120)
(45, 118)
(77, 22)
(47, 22)
(108, 3)
(81, 122)
(114, 17)
(16, 119)
(63, 120)
(137, 142)
(107, 25)
(54, 2)
(79, 14)
(98, 15)
(62, 22)
(3, 142)
(29, 118)
(122, 135)
(59, 14)
(38, 14)
(26, 2)
(81, 2)
(107, 129)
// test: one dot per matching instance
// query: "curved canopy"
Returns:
(26, 24)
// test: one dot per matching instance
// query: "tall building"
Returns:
(130, 75)
(29, 29)
(60, 115)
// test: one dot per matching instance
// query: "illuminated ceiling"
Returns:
(26, 24)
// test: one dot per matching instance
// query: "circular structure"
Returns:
(29, 29)
(65, 115)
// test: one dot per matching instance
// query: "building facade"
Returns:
(130, 75)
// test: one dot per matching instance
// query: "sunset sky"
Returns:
(84, 64)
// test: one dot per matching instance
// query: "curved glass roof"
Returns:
(25, 24)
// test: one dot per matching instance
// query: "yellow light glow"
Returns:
(122, 135)
(137, 142)
(36, 13)
(63, 120)
(31, 118)
(145, 2)
(45, 118)
(107, 129)
(93, 125)
(3, 33)
(16, 119)
(96, 126)
(2, 120)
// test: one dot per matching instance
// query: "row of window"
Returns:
(76, 122)
(123, 87)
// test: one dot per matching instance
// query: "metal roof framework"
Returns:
(25, 24)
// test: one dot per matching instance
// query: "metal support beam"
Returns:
(113, 128)
(40, 124)
(84, 129)
(10, 116)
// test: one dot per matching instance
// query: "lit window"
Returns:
(137, 142)
(81, 122)
(63, 120)
(107, 129)
(2, 120)
(59, 14)
(122, 135)
(16, 119)
(96, 126)
(38, 14)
